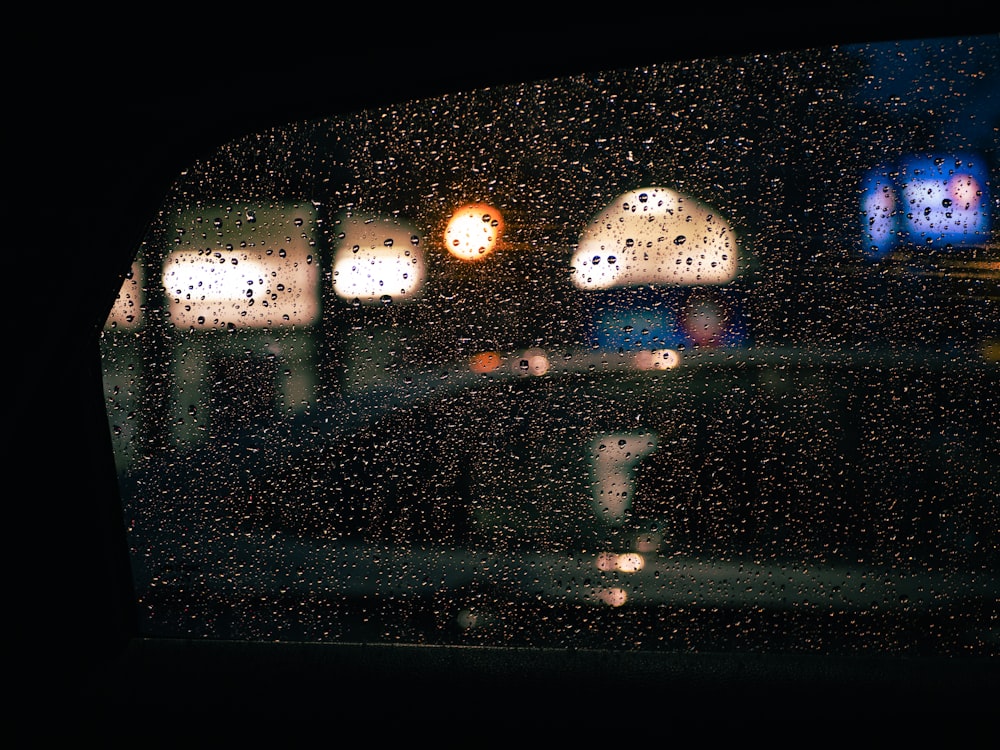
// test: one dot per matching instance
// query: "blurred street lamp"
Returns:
(473, 231)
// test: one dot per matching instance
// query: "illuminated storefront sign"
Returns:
(935, 201)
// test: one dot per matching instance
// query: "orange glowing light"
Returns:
(473, 231)
(484, 362)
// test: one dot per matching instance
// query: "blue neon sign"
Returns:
(938, 202)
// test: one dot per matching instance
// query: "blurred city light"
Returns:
(473, 231)
(258, 289)
(613, 457)
(531, 362)
(378, 260)
(705, 321)
(126, 312)
(629, 562)
(613, 596)
(655, 235)
(485, 362)
(945, 200)
(666, 320)
(937, 201)
(657, 359)
(245, 267)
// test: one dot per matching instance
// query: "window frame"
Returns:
(93, 660)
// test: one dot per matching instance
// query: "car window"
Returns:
(692, 356)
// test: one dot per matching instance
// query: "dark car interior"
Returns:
(105, 121)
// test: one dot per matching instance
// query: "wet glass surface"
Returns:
(699, 356)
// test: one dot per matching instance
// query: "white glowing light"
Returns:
(378, 260)
(258, 288)
(613, 458)
(629, 562)
(655, 235)
(607, 561)
(256, 270)
(473, 231)
(531, 362)
(613, 597)
(657, 359)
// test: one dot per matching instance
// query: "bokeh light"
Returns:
(378, 260)
(246, 288)
(473, 231)
(127, 309)
(655, 235)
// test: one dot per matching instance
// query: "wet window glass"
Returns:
(694, 356)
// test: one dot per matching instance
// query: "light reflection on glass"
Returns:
(247, 267)
(377, 260)
(127, 309)
(252, 288)
(531, 362)
(629, 562)
(945, 200)
(657, 359)
(655, 235)
(613, 457)
(938, 201)
(473, 231)
(485, 362)
(613, 596)
(879, 212)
